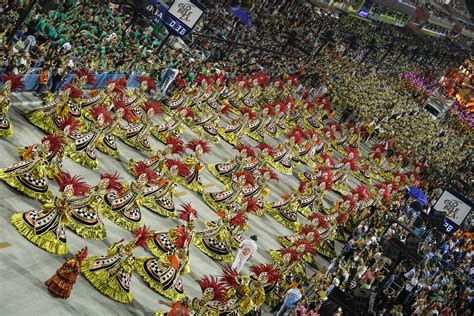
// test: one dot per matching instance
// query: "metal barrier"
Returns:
(30, 81)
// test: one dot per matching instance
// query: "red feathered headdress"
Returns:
(378, 148)
(176, 144)
(308, 247)
(114, 184)
(120, 85)
(326, 172)
(183, 238)
(271, 110)
(354, 152)
(341, 218)
(313, 134)
(334, 126)
(150, 105)
(239, 219)
(282, 105)
(212, 282)
(292, 252)
(183, 170)
(328, 131)
(188, 213)
(187, 112)
(249, 179)
(267, 147)
(127, 112)
(302, 187)
(141, 168)
(251, 114)
(294, 80)
(201, 142)
(321, 220)
(278, 81)
(306, 229)
(251, 204)
(326, 180)
(149, 83)
(16, 82)
(229, 277)
(271, 172)
(79, 187)
(102, 110)
(142, 236)
(74, 93)
(296, 135)
(225, 109)
(351, 162)
(362, 191)
(70, 121)
(310, 106)
(56, 143)
(270, 270)
(328, 159)
(402, 177)
(84, 72)
(247, 148)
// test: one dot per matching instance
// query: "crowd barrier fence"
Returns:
(30, 81)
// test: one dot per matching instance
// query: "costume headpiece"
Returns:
(79, 187)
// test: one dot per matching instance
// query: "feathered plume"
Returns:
(239, 219)
(150, 83)
(74, 93)
(142, 235)
(79, 187)
(249, 179)
(212, 282)
(201, 142)
(102, 110)
(176, 144)
(183, 170)
(56, 143)
(16, 82)
(150, 105)
(187, 213)
(321, 220)
(70, 121)
(229, 277)
(270, 270)
(113, 181)
(84, 72)
(141, 168)
(247, 148)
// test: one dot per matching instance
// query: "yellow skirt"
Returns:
(46, 241)
(198, 242)
(14, 183)
(170, 293)
(7, 132)
(153, 206)
(81, 158)
(106, 284)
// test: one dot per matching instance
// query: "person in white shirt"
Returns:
(247, 249)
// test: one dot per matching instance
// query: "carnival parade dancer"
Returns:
(164, 274)
(174, 146)
(124, 208)
(234, 132)
(264, 280)
(111, 274)
(213, 296)
(61, 283)
(164, 243)
(208, 125)
(46, 228)
(174, 125)
(162, 200)
(232, 194)
(99, 135)
(11, 83)
(85, 217)
(68, 102)
(136, 134)
(239, 299)
(30, 176)
(192, 181)
(224, 171)
(56, 144)
(221, 237)
(286, 154)
(285, 211)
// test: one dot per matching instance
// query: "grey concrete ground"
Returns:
(24, 267)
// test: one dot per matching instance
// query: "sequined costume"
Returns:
(30, 176)
(46, 228)
(111, 274)
(11, 83)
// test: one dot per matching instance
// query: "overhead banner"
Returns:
(456, 207)
(181, 17)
